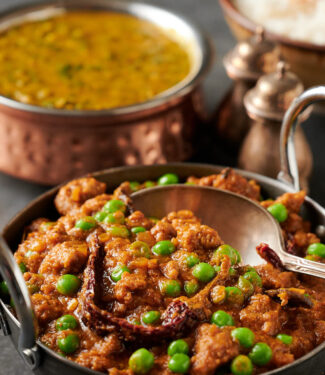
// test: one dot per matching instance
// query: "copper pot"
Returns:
(49, 146)
(307, 60)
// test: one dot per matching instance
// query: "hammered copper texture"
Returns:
(49, 149)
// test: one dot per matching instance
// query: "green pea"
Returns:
(118, 271)
(114, 205)
(191, 287)
(151, 317)
(232, 271)
(22, 267)
(136, 230)
(244, 336)
(134, 185)
(168, 179)
(32, 288)
(241, 365)
(140, 249)
(68, 284)
(192, 260)
(286, 339)
(171, 288)
(261, 354)
(234, 295)
(178, 346)
(204, 272)
(254, 278)
(116, 231)
(69, 344)
(154, 219)
(179, 363)
(250, 269)
(66, 322)
(110, 219)
(317, 249)
(222, 319)
(114, 218)
(163, 248)
(245, 286)
(4, 290)
(100, 216)
(232, 253)
(189, 183)
(86, 223)
(149, 184)
(279, 212)
(141, 361)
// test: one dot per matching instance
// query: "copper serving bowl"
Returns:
(49, 146)
(307, 60)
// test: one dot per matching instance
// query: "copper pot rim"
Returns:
(230, 10)
(175, 93)
(139, 169)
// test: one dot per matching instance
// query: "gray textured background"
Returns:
(15, 194)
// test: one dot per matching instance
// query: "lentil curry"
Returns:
(125, 294)
(89, 61)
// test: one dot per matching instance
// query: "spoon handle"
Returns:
(289, 170)
(297, 264)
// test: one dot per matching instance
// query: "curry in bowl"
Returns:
(90, 60)
(122, 293)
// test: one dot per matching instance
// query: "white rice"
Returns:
(302, 20)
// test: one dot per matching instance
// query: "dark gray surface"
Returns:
(15, 194)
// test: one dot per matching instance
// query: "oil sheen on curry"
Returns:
(122, 293)
(89, 61)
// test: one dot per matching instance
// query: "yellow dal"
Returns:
(92, 61)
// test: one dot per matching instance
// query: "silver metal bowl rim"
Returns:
(175, 92)
(259, 178)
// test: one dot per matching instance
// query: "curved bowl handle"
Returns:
(289, 170)
(12, 275)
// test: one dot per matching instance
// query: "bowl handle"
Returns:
(289, 169)
(14, 278)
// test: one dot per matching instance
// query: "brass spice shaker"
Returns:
(266, 104)
(244, 64)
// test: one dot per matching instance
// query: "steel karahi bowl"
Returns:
(44, 361)
(307, 60)
(49, 146)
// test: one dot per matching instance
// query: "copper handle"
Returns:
(12, 275)
(289, 169)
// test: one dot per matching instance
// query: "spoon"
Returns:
(240, 222)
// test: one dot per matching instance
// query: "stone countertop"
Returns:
(15, 194)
